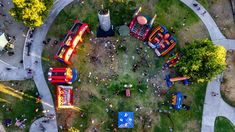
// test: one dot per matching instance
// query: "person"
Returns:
(8, 68)
(186, 107)
(214, 94)
(44, 42)
(195, 4)
(198, 8)
(204, 13)
(1, 4)
(38, 99)
(45, 121)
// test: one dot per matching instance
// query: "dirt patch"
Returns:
(221, 11)
(192, 126)
(192, 32)
(65, 118)
(228, 86)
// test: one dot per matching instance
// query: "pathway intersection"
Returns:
(214, 106)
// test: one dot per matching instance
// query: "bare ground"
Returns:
(221, 11)
(193, 32)
(228, 87)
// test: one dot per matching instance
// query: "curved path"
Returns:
(213, 105)
(35, 55)
(216, 36)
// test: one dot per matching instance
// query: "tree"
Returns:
(31, 12)
(121, 11)
(73, 129)
(202, 60)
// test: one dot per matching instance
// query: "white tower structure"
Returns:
(104, 19)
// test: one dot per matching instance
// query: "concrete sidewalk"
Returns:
(214, 106)
(216, 35)
(210, 24)
(35, 55)
(227, 43)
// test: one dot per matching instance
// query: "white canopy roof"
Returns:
(3, 41)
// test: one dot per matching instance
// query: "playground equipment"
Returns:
(161, 40)
(141, 25)
(170, 80)
(64, 96)
(125, 119)
(70, 42)
(177, 100)
(62, 75)
(173, 60)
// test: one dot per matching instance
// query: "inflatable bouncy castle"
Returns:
(62, 75)
(64, 96)
(71, 41)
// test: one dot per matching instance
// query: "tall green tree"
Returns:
(202, 60)
(31, 12)
(121, 11)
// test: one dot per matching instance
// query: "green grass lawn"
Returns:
(20, 98)
(173, 13)
(97, 97)
(222, 124)
(184, 120)
(205, 3)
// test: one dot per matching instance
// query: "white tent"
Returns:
(3, 41)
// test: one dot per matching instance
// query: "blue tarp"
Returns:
(125, 119)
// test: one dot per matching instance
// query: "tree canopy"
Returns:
(202, 60)
(121, 11)
(31, 12)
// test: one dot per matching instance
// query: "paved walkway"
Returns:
(35, 55)
(41, 125)
(8, 26)
(214, 105)
(216, 36)
(20, 73)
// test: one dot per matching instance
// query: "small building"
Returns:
(128, 92)
(3, 41)
(125, 119)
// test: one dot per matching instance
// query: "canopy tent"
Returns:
(3, 41)
(125, 119)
